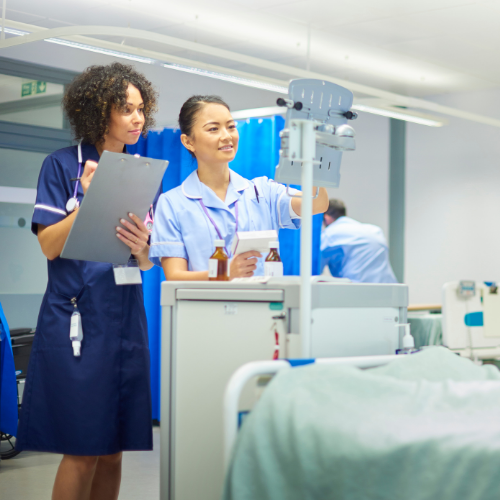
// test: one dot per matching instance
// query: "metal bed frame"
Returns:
(249, 370)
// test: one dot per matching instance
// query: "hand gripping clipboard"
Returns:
(121, 184)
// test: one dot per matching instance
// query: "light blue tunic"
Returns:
(356, 251)
(182, 229)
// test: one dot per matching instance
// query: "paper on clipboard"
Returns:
(121, 184)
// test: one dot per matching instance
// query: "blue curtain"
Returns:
(258, 155)
(164, 144)
(8, 383)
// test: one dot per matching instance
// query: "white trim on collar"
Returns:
(188, 195)
(197, 183)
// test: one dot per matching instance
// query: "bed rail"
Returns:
(241, 376)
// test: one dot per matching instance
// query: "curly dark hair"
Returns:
(90, 97)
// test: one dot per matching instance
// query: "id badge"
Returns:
(127, 274)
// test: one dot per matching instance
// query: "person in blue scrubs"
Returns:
(352, 249)
(214, 202)
(91, 407)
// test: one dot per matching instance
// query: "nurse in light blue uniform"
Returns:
(354, 250)
(215, 202)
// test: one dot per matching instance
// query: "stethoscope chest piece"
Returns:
(72, 205)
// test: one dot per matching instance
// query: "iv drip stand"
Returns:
(308, 150)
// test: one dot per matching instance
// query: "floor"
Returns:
(30, 475)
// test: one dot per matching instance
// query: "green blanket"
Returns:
(424, 427)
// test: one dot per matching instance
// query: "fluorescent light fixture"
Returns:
(243, 114)
(146, 60)
(12, 31)
(99, 50)
(277, 110)
(227, 78)
(407, 117)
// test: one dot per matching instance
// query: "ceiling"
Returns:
(415, 48)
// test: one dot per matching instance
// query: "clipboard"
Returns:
(121, 184)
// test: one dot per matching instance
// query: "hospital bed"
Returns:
(233, 417)
(423, 426)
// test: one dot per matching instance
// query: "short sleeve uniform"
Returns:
(98, 403)
(183, 229)
(356, 251)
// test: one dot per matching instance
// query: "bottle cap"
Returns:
(76, 348)
(408, 340)
(220, 243)
(274, 244)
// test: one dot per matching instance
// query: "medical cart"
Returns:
(210, 329)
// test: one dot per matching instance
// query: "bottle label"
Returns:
(75, 331)
(212, 268)
(273, 268)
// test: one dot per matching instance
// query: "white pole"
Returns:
(308, 150)
(4, 8)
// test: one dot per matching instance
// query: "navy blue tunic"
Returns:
(98, 403)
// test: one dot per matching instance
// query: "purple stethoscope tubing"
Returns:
(72, 203)
(215, 225)
(79, 169)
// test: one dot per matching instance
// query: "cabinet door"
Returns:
(351, 331)
(212, 340)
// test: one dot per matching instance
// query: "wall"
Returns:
(174, 86)
(23, 267)
(364, 183)
(453, 199)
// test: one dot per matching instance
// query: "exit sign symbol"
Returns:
(26, 89)
(41, 87)
(30, 88)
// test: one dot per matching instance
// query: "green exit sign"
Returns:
(36, 87)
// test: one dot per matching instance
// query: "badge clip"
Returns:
(127, 274)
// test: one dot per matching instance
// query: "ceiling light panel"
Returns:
(398, 115)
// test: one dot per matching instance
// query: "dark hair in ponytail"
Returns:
(190, 109)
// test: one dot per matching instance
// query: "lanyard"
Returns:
(215, 225)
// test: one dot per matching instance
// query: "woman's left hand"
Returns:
(135, 236)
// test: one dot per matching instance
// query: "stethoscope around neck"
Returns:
(73, 202)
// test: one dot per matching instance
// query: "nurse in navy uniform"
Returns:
(94, 405)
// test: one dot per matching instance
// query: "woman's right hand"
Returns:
(88, 174)
(244, 264)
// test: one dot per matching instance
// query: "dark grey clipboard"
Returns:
(121, 184)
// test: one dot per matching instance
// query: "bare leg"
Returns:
(107, 478)
(74, 478)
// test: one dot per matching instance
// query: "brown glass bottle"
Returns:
(218, 264)
(273, 265)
